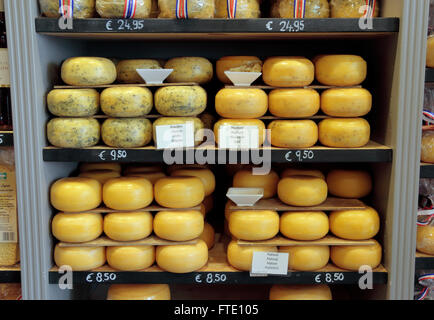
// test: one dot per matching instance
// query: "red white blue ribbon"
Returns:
(232, 8)
(181, 9)
(428, 117)
(371, 5)
(130, 9)
(299, 8)
(426, 220)
(66, 8)
(423, 294)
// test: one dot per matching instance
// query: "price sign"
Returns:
(210, 278)
(329, 277)
(239, 137)
(285, 26)
(175, 136)
(113, 155)
(270, 263)
(300, 155)
(125, 25)
(100, 277)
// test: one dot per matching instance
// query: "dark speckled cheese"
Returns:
(73, 132)
(127, 133)
(180, 101)
(82, 8)
(73, 102)
(125, 102)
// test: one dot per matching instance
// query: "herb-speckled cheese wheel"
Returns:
(126, 292)
(116, 8)
(178, 225)
(166, 121)
(313, 9)
(427, 154)
(80, 258)
(101, 175)
(344, 133)
(197, 9)
(302, 172)
(350, 8)
(307, 258)
(245, 9)
(87, 71)
(254, 225)
(246, 179)
(180, 101)
(82, 8)
(355, 224)
(430, 52)
(73, 227)
(248, 103)
(349, 183)
(302, 191)
(128, 193)
(304, 225)
(73, 102)
(237, 64)
(179, 192)
(346, 103)
(127, 73)
(293, 133)
(76, 194)
(208, 235)
(340, 70)
(85, 167)
(131, 258)
(205, 175)
(288, 72)
(126, 133)
(294, 103)
(182, 258)
(425, 239)
(240, 257)
(73, 132)
(128, 226)
(238, 123)
(190, 69)
(353, 257)
(153, 177)
(300, 292)
(124, 102)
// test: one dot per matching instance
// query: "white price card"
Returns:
(175, 136)
(269, 263)
(4, 68)
(239, 137)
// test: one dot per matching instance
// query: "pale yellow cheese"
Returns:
(73, 102)
(430, 52)
(73, 132)
(190, 69)
(182, 258)
(293, 133)
(153, 177)
(268, 182)
(131, 258)
(128, 226)
(179, 192)
(124, 102)
(205, 175)
(313, 9)
(351, 8)
(197, 9)
(300, 292)
(101, 175)
(303, 191)
(116, 8)
(344, 133)
(82, 8)
(180, 101)
(128, 193)
(349, 183)
(9, 254)
(355, 224)
(248, 103)
(353, 257)
(128, 292)
(307, 258)
(236, 63)
(126, 133)
(340, 70)
(80, 258)
(238, 123)
(294, 103)
(425, 239)
(306, 225)
(346, 102)
(427, 153)
(178, 225)
(245, 9)
(127, 73)
(76, 194)
(198, 125)
(240, 257)
(87, 71)
(77, 227)
(302, 172)
(288, 72)
(208, 235)
(254, 225)
(112, 166)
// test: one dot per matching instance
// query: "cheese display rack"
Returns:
(426, 170)
(10, 274)
(395, 55)
(6, 138)
(424, 261)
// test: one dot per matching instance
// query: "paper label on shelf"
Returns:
(175, 136)
(8, 206)
(264, 263)
(238, 137)
(4, 68)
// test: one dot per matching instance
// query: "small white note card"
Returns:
(175, 136)
(239, 137)
(269, 263)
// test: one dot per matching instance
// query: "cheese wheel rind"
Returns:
(80, 258)
(82, 71)
(304, 225)
(240, 257)
(76, 228)
(101, 175)
(180, 101)
(205, 175)
(126, 132)
(125, 102)
(248, 103)
(340, 70)
(254, 225)
(344, 133)
(349, 183)
(427, 153)
(126, 69)
(353, 257)
(302, 172)
(138, 292)
(268, 182)
(303, 191)
(208, 235)
(293, 133)
(355, 224)
(190, 69)
(307, 258)
(130, 258)
(128, 193)
(73, 102)
(179, 192)
(178, 225)
(425, 239)
(128, 226)
(237, 63)
(288, 72)
(73, 132)
(294, 103)
(346, 102)
(300, 292)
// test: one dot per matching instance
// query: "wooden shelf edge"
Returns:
(328, 240)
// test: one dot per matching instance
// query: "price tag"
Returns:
(175, 136)
(239, 137)
(329, 277)
(269, 263)
(113, 155)
(100, 277)
(125, 25)
(300, 156)
(210, 278)
(295, 25)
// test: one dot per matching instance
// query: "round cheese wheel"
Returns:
(236, 63)
(101, 175)
(340, 70)
(128, 193)
(346, 102)
(153, 177)
(80, 258)
(293, 133)
(126, 69)
(124, 102)
(138, 292)
(430, 52)
(88, 71)
(253, 225)
(198, 126)
(178, 225)
(197, 9)
(126, 133)
(205, 175)
(190, 69)
(131, 258)
(344, 133)
(349, 183)
(294, 103)
(249, 123)
(73, 102)
(246, 179)
(76, 228)
(303, 191)
(208, 203)
(304, 225)
(355, 224)
(180, 101)
(111, 166)
(300, 292)
(208, 235)
(244, 9)
(240, 257)
(118, 9)
(142, 169)
(247, 103)
(353, 257)
(288, 72)
(313, 9)
(351, 8)
(425, 239)
(301, 172)
(128, 226)
(82, 8)
(73, 132)
(179, 192)
(182, 258)
(76, 194)
(307, 258)
(427, 153)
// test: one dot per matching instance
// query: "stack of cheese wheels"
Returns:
(128, 193)
(300, 292)
(100, 171)
(302, 190)
(139, 292)
(351, 184)
(151, 173)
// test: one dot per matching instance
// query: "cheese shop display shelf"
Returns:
(6, 138)
(426, 170)
(326, 241)
(106, 242)
(10, 274)
(424, 261)
(151, 208)
(429, 75)
(124, 85)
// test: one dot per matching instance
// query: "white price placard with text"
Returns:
(270, 263)
(175, 136)
(239, 137)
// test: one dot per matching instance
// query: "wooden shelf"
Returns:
(424, 261)
(329, 240)
(126, 85)
(151, 208)
(10, 274)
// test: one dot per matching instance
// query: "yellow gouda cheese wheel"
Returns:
(427, 153)
(288, 72)
(88, 71)
(73, 102)
(205, 175)
(425, 239)
(340, 70)
(307, 258)
(131, 258)
(208, 235)
(353, 257)
(101, 175)
(303, 191)
(77, 227)
(253, 225)
(178, 225)
(153, 177)
(179, 192)
(344, 133)
(124, 102)
(301, 172)
(349, 183)
(300, 292)
(190, 69)
(346, 102)
(355, 224)
(293, 133)
(180, 101)
(138, 292)
(182, 258)
(73, 132)
(240, 257)
(239, 123)
(76, 194)
(80, 258)
(304, 225)
(127, 73)
(294, 103)
(128, 226)
(85, 167)
(128, 193)
(268, 182)
(246, 103)
(236, 64)
(142, 169)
